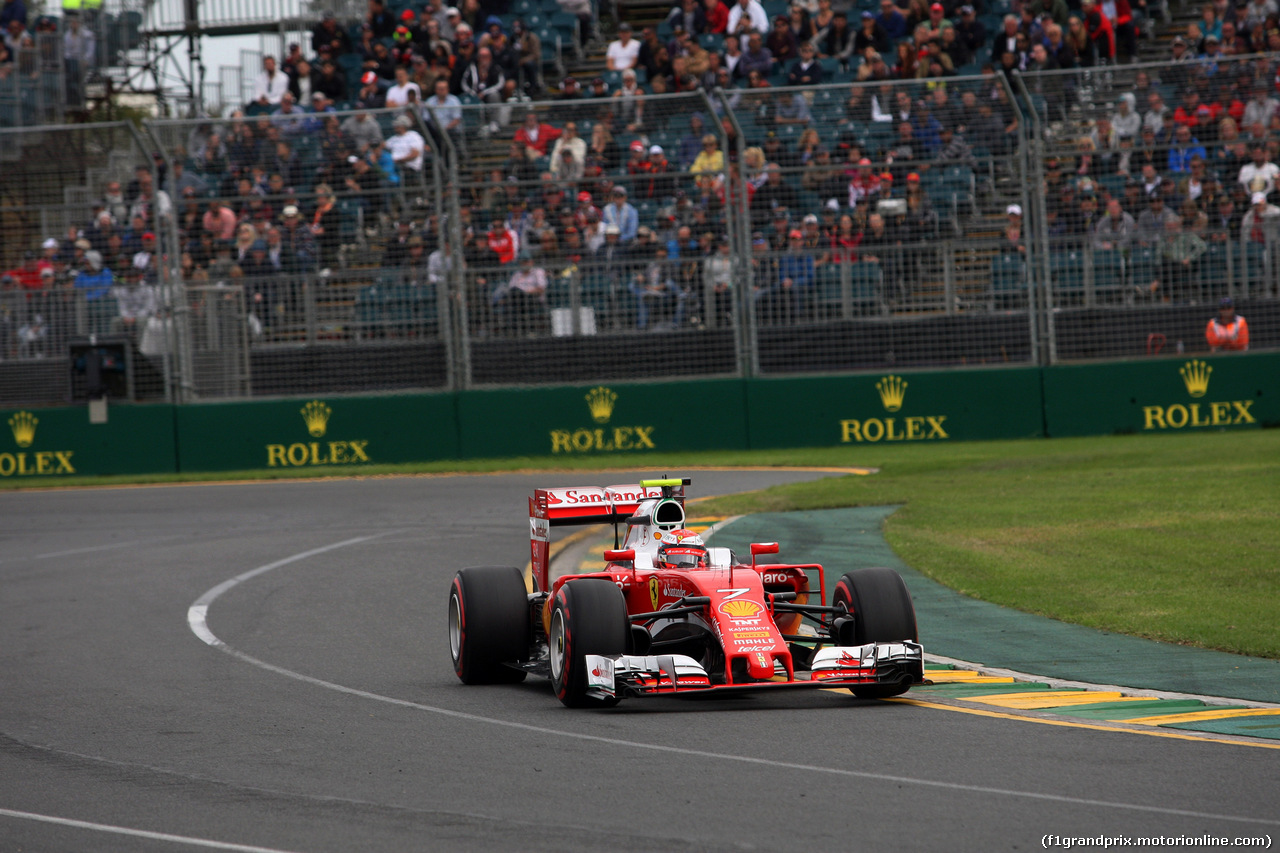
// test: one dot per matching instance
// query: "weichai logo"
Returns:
(1195, 378)
(315, 416)
(601, 439)
(32, 463)
(892, 391)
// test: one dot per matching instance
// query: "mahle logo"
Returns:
(37, 463)
(315, 416)
(1195, 378)
(600, 403)
(893, 394)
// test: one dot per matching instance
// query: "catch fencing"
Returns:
(770, 231)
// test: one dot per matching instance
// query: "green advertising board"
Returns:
(1163, 395)
(895, 407)
(60, 442)
(594, 419)
(317, 432)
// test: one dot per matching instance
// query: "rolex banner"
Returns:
(1166, 395)
(587, 420)
(317, 433)
(895, 408)
(59, 442)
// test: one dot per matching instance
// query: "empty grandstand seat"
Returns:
(1144, 266)
(1108, 273)
(1008, 281)
(864, 281)
(1066, 271)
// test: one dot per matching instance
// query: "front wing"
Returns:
(833, 666)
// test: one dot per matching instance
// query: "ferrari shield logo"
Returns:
(653, 592)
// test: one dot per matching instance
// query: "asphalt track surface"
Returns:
(321, 712)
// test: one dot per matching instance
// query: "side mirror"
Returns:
(626, 556)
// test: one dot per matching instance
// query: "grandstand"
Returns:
(837, 215)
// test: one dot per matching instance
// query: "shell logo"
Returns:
(740, 609)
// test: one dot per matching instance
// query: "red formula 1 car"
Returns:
(670, 616)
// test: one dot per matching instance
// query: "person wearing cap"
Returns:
(621, 214)
(1259, 224)
(521, 303)
(406, 146)
(788, 299)
(1153, 222)
(328, 34)
(370, 96)
(1228, 331)
(651, 183)
(298, 252)
(93, 279)
(624, 51)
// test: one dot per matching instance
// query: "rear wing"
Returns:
(587, 505)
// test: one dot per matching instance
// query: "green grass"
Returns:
(1173, 537)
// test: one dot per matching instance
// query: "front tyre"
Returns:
(588, 617)
(489, 624)
(882, 613)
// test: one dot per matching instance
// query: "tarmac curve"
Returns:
(320, 712)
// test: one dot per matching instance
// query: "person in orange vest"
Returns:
(1227, 331)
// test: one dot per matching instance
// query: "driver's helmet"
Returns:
(681, 549)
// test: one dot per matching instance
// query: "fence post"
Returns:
(738, 220)
(453, 327)
(180, 388)
(1035, 221)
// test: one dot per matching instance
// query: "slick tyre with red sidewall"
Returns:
(489, 624)
(882, 612)
(588, 617)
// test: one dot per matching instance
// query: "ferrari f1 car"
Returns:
(669, 616)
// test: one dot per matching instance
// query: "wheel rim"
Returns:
(556, 642)
(455, 626)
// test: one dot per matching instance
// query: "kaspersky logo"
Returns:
(1195, 378)
(603, 439)
(37, 462)
(315, 417)
(892, 391)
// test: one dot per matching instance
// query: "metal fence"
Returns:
(759, 231)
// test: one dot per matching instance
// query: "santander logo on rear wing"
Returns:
(593, 503)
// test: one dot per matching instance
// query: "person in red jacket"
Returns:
(536, 137)
(1102, 38)
(1228, 331)
(1126, 32)
(717, 16)
(503, 242)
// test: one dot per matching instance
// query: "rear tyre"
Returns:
(489, 624)
(882, 613)
(588, 617)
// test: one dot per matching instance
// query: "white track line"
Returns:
(197, 613)
(139, 833)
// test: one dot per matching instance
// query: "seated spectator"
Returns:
(536, 136)
(893, 22)
(756, 57)
(708, 166)
(789, 298)
(838, 41)
(656, 291)
(521, 303)
(1115, 229)
(1185, 148)
(621, 215)
(93, 279)
(1259, 223)
(623, 52)
(272, 84)
(746, 17)
(806, 71)
(1259, 175)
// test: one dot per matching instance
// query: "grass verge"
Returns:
(1168, 537)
